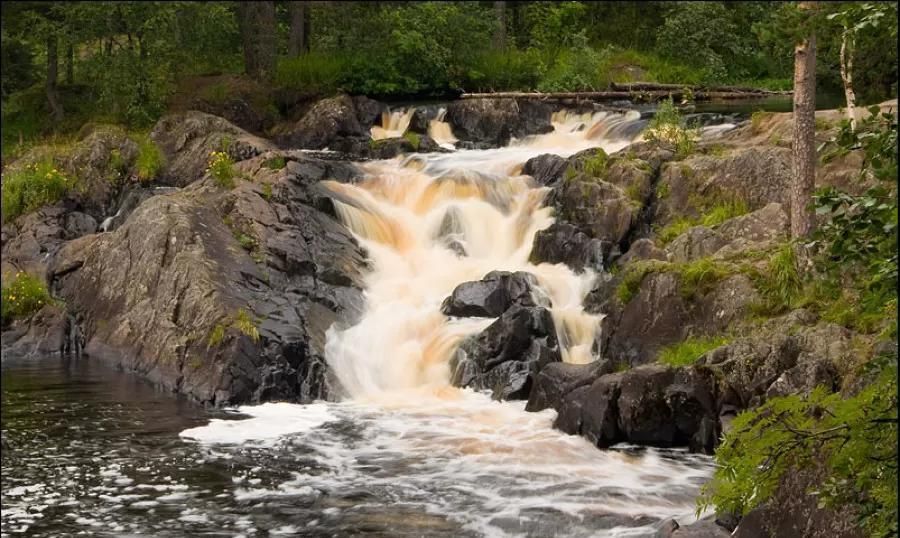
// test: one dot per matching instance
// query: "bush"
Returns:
(669, 127)
(32, 187)
(22, 297)
(687, 352)
(221, 168)
(149, 160)
(855, 437)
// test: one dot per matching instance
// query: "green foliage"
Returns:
(314, 73)
(149, 159)
(22, 296)
(246, 242)
(856, 438)
(275, 163)
(596, 165)
(505, 70)
(687, 352)
(780, 283)
(669, 127)
(221, 168)
(31, 187)
(859, 236)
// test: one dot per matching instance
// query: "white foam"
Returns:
(268, 422)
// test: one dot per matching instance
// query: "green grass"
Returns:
(246, 324)
(695, 278)
(724, 210)
(246, 242)
(34, 186)
(675, 228)
(22, 296)
(275, 163)
(216, 336)
(149, 161)
(267, 191)
(687, 352)
(635, 192)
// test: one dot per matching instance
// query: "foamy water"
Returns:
(430, 222)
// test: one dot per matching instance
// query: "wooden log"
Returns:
(654, 86)
(649, 95)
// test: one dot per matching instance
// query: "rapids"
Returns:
(402, 453)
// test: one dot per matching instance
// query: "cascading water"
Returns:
(393, 123)
(415, 444)
(440, 130)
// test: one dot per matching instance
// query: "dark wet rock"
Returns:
(78, 224)
(546, 169)
(563, 242)
(188, 138)
(596, 207)
(326, 121)
(161, 293)
(704, 528)
(32, 238)
(368, 111)
(505, 357)
(558, 379)
(493, 295)
(128, 201)
(493, 122)
(650, 405)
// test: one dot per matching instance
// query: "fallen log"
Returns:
(649, 95)
(654, 86)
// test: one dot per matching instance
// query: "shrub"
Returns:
(688, 351)
(855, 437)
(596, 164)
(22, 297)
(221, 168)
(149, 160)
(669, 127)
(32, 187)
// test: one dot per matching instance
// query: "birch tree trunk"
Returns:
(847, 75)
(803, 146)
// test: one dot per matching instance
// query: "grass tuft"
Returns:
(687, 352)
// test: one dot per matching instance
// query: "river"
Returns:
(95, 451)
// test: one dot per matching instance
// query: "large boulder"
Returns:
(493, 122)
(508, 354)
(563, 242)
(222, 295)
(649, 405)
(546, 169)
(558, 379)
(493, 295)
(327, 121)
(30, 240)
(188, 138)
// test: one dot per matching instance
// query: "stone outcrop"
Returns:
(493, 295)
(493, 122)
(505, 357)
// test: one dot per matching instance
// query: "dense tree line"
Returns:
(124, 59)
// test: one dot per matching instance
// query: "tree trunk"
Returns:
(298, 43)
(257, 24)
(500, 32)
(70, 64)
(847, 75)
(803, 146)
(56, 109)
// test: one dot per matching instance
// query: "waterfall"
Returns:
(393, 123)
